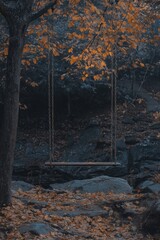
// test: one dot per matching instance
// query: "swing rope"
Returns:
(51, 96)
(114, 106)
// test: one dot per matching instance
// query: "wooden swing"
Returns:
(51, 162)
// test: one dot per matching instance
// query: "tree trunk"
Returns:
(11, 108)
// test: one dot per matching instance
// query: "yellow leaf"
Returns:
(6, 51)
(96, 77)
(35, 61)
(73, 59)
(70, 50)
(55, 52)
(142, 64)
(102, 64)
(50, 11)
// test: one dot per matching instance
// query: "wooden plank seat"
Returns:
(82, 164)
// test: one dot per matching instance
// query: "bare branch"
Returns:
(42, 11)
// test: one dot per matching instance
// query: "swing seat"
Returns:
(54, 164)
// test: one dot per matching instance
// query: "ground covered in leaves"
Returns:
(69, 216)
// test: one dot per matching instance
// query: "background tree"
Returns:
(18, 15)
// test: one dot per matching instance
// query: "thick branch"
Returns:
(42, 11)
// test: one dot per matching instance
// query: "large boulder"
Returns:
(98, 184)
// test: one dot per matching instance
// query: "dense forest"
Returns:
(79, 119)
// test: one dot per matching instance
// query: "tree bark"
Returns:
(11, 109)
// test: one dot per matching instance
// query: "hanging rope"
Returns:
(49, 97)
(114, 106)
(112, 115)
(51, 94)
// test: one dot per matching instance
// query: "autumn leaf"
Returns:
(73, 59)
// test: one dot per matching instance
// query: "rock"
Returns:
(79, 210)
(128, 120)
(141, 117)
(145, 184)
(101, 144)
(155, 188)
(29, 149)
(141, 153)
(155, 125)
(20, 185)
(151, 219)
(139, 178)
(75, 213)
(93, 123)
(121, 144)
(36, 204)
(150, 186)
(83, 149)
(29, 154)
(130, 139)
(139, 129)
(37, 228)
(150, 165)
(98, 184)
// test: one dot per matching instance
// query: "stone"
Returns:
(155, 125)
(151, 218)
(128, 120)
(89, 210)
(78, 212)
(37, 228)
(130, 139)
(155, 188)
(20, 185)
(98, 184)
(121, 144)
(28, 154)
(150, 165)
(145, 184)
(150, 186)
(142, 152)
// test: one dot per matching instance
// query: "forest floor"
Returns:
(61, 215)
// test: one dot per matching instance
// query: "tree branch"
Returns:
(42, 11)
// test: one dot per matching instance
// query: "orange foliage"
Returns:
(96, 31)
